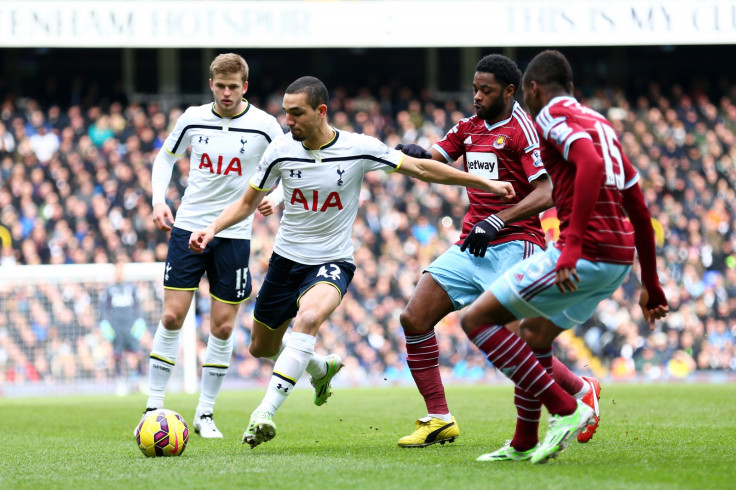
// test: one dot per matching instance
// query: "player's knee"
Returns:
(468, 322)
(223, 331)
(262, 350)
(412, 322)
(534, 338)
(172, 320)
(307, 321)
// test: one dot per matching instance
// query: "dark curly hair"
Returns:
(503, 69)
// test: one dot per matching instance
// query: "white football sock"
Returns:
(317, 366)
(446, 417)
(161, 364)
(580, 394)
(288, 369)
(214, 369)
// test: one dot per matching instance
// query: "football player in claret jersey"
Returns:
(498, 143)
(227, 139)
(321, 170)
(595, 188)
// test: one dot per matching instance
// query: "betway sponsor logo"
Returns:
(482, 164)
(478, 165)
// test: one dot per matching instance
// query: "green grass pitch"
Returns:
(651, 436)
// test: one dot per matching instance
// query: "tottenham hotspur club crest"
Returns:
(339, 176)
(242, 145)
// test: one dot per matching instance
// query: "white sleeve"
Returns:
(163, 166)
(277, 194)
(173, 148)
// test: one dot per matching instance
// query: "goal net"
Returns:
(50, 336)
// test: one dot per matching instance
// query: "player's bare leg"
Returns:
(428, 305)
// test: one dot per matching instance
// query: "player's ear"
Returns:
(245, 87)
(534, 88)
(210, 84)
(322, 110)
(509, 91)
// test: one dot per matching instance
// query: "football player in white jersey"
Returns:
(227, 138)
(321, 171)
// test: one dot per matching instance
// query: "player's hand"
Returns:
(162, 217)
(481, 235)
(500, 188)
(566, 268)
(566, 279)
(267, 206)
(654, 306)
(413, 150)
(199, 240)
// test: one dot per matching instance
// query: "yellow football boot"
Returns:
(429, 431)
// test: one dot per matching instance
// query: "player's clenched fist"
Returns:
(199, 239)
(501, 188)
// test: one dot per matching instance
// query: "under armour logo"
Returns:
(242, 144)
(478, 229)
(281, 387)
(205, 138)
(241, 293)
(295, 173)
(339, 175)
(168, 268)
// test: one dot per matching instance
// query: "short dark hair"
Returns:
(313, 87)
(550, 67)
(503, 69)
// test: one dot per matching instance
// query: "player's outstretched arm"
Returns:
(234, 213)
(653, 301)
(417, 151)
(440, 173)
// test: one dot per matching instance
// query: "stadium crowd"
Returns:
(75, 188)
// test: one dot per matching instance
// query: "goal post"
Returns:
(50, 336)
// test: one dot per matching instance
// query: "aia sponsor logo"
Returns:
(332, 201)
(219, 167)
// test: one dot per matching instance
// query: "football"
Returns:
(162, 433)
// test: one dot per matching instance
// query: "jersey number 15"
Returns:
(611, 156)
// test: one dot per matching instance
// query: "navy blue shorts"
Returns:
(285, 283)
(225, 260)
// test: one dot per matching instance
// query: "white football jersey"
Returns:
(225, 153)
(321, 192)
